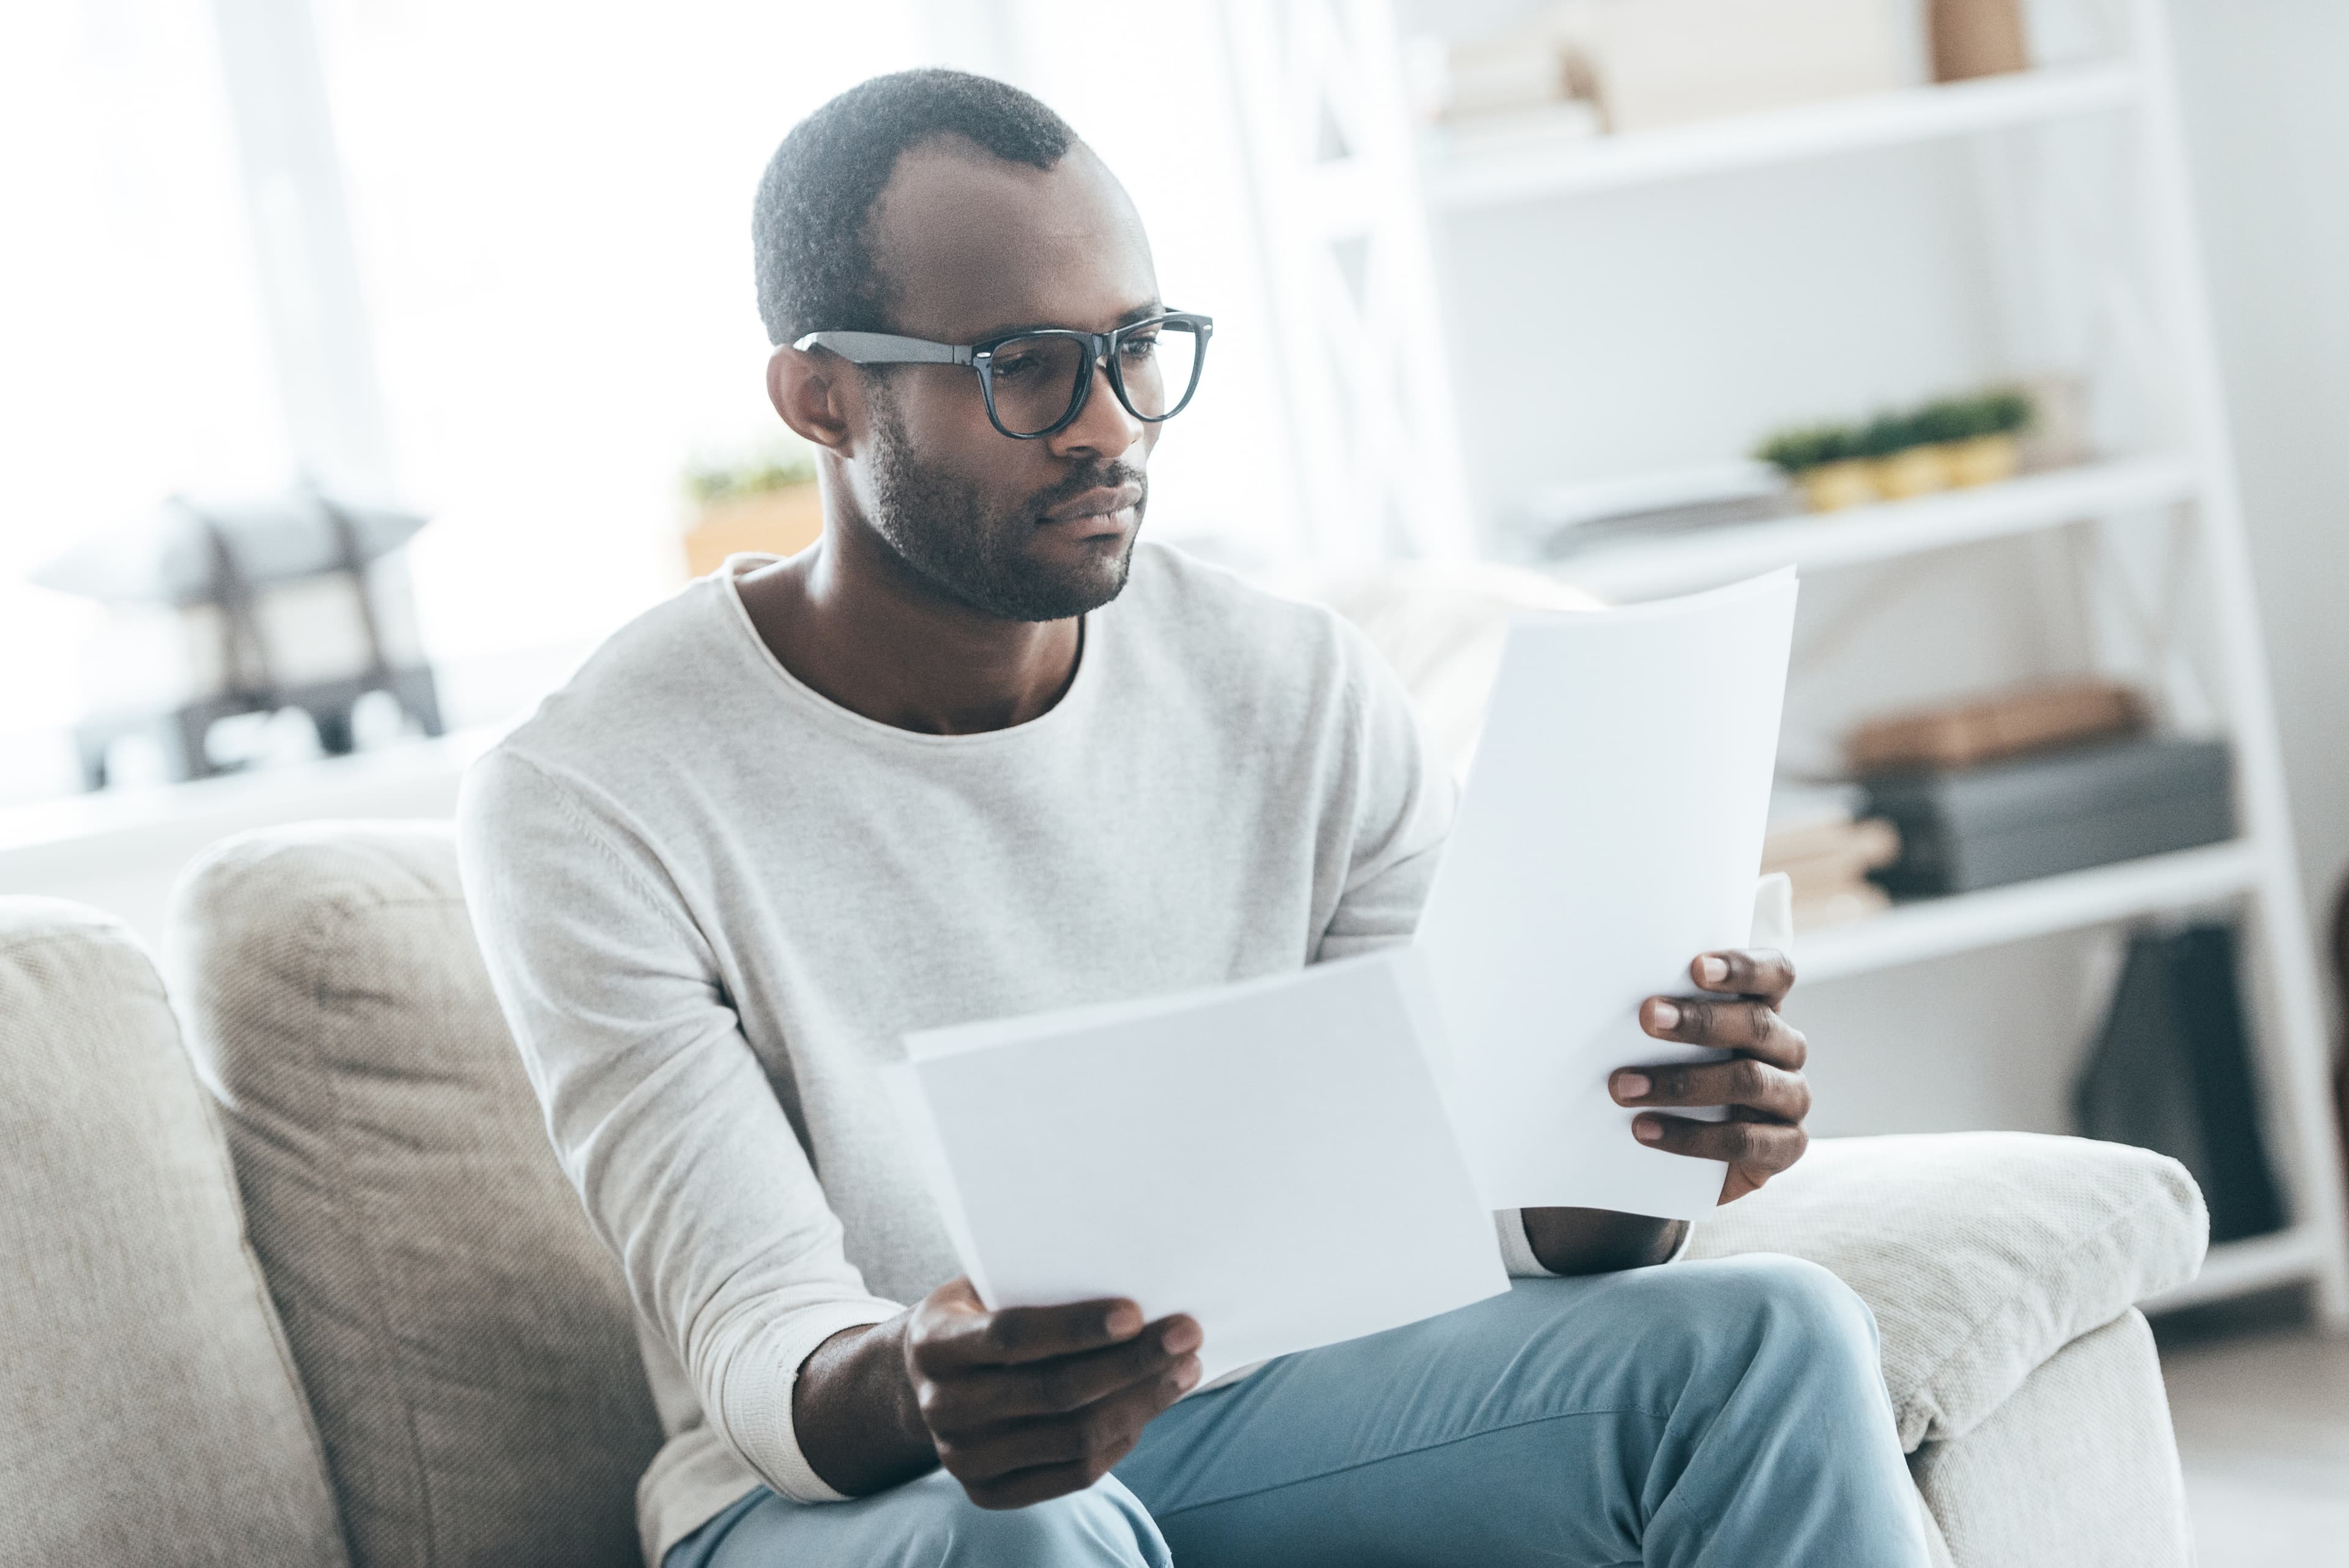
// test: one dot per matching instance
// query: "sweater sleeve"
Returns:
(1395, 805)
(657, 1107)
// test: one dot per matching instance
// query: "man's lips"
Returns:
(1102, 505)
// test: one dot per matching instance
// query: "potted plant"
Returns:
(1825, 461)
(1909, 460)
(1986, 448)
(766, 504)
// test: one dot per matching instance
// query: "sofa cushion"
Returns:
(152, 1414)
(1981, 1253)
(466, 1339)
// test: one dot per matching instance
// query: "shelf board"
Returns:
(2239, 1268)
(1936, 927)
(1860, 533)
(1493, 173)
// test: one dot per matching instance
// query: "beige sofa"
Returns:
(294, 1278)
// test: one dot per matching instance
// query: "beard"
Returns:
(977, 554)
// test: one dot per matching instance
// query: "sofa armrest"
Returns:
(2078, 1468)
(1982, 1254)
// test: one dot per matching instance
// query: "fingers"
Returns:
(1764, 972)
(1025, 1488)
(1749, 1026)
(953, 1334)
(962, 1401)
(1029, 1403)
(1760, 1149)
(1746, 1082)
(1086, 1443)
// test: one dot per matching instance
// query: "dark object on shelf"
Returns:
(2010, 724)
(2171, 1071)
(232, 572)
(2339, 955)
(1966, 828)
(1977, 38)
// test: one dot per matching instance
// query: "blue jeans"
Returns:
(1714, 1415)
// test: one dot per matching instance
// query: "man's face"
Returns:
(974, 247)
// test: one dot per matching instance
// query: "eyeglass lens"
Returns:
(1035, 379)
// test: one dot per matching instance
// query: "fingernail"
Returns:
(1631, 1086)
(1666, 1016)
(1647, 1131)
(1181, 1339)
(1122, 1321)
(1711, 971)
(1187, 1376)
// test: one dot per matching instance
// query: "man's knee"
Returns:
(1101, 1527)
(1795, 1314)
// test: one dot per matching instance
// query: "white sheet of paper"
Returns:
(1609, 832)
(1273, 1158)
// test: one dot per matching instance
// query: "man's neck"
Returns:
(859, 627)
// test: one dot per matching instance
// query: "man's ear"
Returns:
(813, 396)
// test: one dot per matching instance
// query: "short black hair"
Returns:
(815, 270)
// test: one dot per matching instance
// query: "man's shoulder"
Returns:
(1213, 616)
(638, 695)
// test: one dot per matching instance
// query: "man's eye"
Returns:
(1139, 348)
(1019, 364)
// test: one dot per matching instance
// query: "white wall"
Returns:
(2267, 115)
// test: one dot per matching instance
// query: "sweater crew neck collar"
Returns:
(1060, 715)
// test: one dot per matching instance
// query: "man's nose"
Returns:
(1104, 429)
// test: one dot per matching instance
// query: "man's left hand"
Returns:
(1761, 1085)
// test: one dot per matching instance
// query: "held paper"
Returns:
(1271, 1156)
(1609, 832)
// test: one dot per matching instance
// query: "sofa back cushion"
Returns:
(151, 1414)
(466, 1339)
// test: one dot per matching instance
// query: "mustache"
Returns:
(1111, 475)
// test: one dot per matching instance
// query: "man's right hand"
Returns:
(1019, 1406)
(1029, 1403)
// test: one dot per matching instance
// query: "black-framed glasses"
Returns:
(1036, 383)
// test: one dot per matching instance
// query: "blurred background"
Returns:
(368, 360)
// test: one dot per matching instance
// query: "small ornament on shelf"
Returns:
(1977, 38)
(225, 607)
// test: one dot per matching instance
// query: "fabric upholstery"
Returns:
(2078, 1469)
(465, 1339)
(1937, 1545)
(152, 1414)
(1981, 1253)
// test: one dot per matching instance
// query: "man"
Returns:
(979, 752)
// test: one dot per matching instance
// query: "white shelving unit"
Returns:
(1358, 207)
(1936, 927)
(1537, 168)
(2136, 487)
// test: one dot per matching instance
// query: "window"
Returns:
(136, 360)
(552, 207)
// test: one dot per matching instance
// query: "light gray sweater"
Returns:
(712, 902)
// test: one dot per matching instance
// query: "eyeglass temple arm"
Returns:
(884, 348)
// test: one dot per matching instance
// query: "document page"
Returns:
(1272, 1158)
(1609, 832)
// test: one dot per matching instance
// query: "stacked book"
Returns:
(1827, 849)
(2036, 783)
